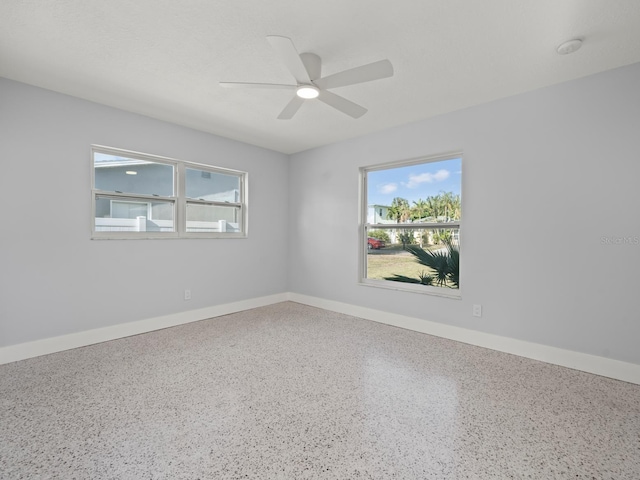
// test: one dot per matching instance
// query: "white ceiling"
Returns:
(164, 58)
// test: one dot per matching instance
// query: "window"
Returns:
(213, 201)
(143, 196)
(411, 217)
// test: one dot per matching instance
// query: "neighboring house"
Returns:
(378, 214)
(140, 177)
(428, 238)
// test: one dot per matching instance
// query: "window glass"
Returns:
(129, 175)
(412, 227)
(115, 215)
(212, 218)
(144, 196)
(129, 209)
(212, 186)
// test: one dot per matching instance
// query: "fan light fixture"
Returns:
(306, 70)
(307, 92)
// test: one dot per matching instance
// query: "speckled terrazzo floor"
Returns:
(294, 392)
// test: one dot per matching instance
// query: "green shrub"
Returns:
(407, 238)
(442, 236)
(380, 235)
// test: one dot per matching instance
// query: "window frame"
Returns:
(364, 227)
(179, 199)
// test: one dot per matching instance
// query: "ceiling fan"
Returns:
(306, 68)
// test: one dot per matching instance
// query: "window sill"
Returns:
(451, 293)
(172, 236)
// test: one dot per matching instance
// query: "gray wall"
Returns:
(55, 280)
(548, 178)
(554, 172)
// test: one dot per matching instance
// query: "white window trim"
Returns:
(364, 227)
(179, 200)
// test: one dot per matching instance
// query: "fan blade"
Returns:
(313, 64)
(287, 51)
(340, 103)
(256, 85)
(292, 107)
(365, 73)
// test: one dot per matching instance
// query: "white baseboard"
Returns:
(628, 372)
(37, 348)
(606, 367)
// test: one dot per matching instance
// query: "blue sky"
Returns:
(414, 182)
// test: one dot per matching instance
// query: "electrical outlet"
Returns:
(477, 310)
(187, 294)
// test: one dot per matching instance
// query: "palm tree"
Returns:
(450, 205)
(400, 211)
(445, 265)
(456, 208)
(433, 206)
(419, 209)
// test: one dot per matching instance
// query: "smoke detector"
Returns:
(569, 47)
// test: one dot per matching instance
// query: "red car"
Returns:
(375, 243)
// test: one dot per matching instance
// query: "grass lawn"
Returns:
(394, 261)
(380, 265)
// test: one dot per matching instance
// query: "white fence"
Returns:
(142, 224)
